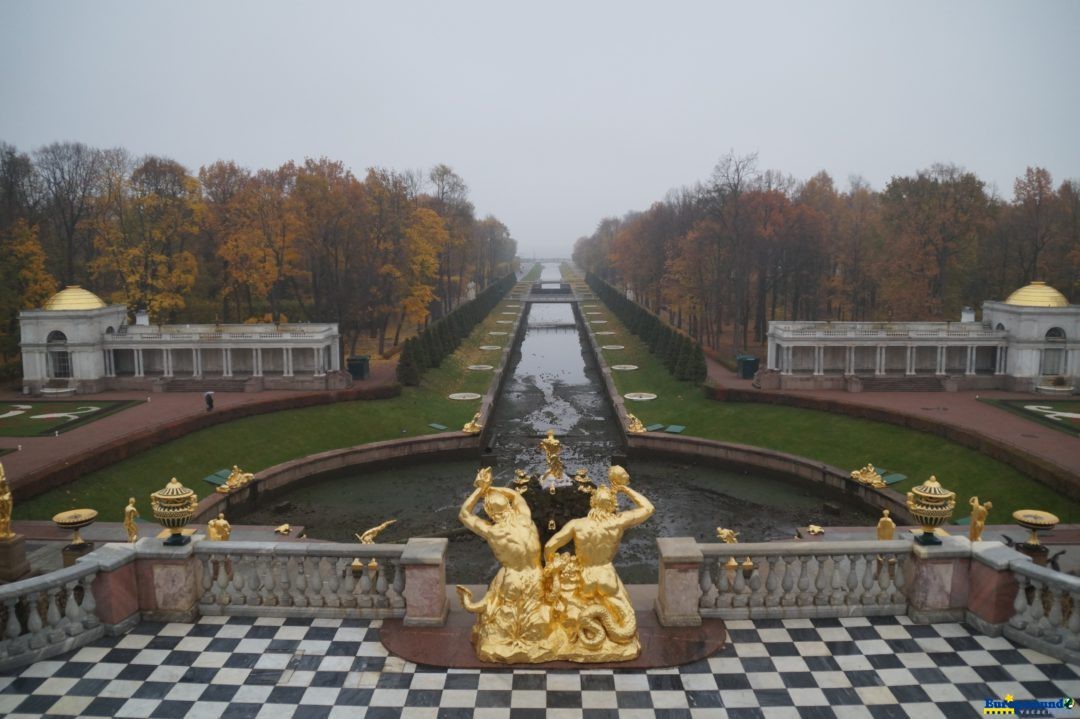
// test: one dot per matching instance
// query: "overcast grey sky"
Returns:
(556, 113)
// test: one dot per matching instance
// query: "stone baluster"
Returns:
(772, 583)
(55, 629)
(1019, 618)
(235, 588)
(348, 590)
(397, 588)
(707, 585)
(72, 611)
(723, 586)
(364, 598)
(89, 606)
(1072, 639)
(282, 590)
(884, 577)
(739, 589)
(900, 579)
(822, 580)
(757, 595)
(836, 580)
(313, 573)
(852, 581)
(1035, 610)
(13, 628)
(869, 592)
(332, 583)
(788, 583)
(299, 582)
(252, 581)
(806, 566)
(35, 628)
(207, 583)
(222, 579)
(264, 568)
(381, 587)
(1052, 623)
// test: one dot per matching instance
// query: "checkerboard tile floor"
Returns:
(776, 669)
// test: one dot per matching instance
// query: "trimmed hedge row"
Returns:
(682, 356)
(440, 338)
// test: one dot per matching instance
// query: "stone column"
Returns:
(850, 367)
(256, 361)
(910, 370)
(196, 362)
(680, 586)
(879, 368)
(286, 354)
(138, 363)
(166, 359)
(992, 586)
(335, 354)
(970, 360)
(226, 362)
(819, 359)
(424, 562)
(168, 581)
(788, 350)
(940, 360)
(938, 587)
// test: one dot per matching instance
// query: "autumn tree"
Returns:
(24, 281)
(69, 174)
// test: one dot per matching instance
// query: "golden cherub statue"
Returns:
(7, 503)
(236, 480)
(885, 526)
(868, 476)
(634, 425)
(283, 529)
(130, 514)
(727, 536)
(368, 537)
(473, 426)
(979, 513)
(815, 529)
(552, 447)
(218, 530)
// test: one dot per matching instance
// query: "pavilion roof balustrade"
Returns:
(868, 330)
(128, 337)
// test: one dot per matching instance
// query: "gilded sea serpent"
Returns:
(597, 623)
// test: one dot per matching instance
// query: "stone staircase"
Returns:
(205, 384)
(907, 383)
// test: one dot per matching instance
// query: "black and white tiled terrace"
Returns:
(776, 669)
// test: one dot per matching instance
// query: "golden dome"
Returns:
(74, 297)
(1037, 294)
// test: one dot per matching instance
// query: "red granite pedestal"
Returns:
(449, 645)
(13, 562)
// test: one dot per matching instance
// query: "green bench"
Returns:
(218, 478)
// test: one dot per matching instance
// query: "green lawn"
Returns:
(1061, 414)
(258, 442)
(844, 442)
(33, 418)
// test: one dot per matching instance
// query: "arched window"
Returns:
(1000, 326)
(1053, 358)
(58, 359)
(109, 330)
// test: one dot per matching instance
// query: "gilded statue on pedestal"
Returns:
(473, 426)
(727, 536)
(978, 518)
(7, 503)
(368, 537)
(868, 476)
(574, 606)
(552, 447)
(236, 480)
(885, 526)
(130, 514)
(634, 425)
(218, 530)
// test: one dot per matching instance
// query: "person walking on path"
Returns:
(209, 397)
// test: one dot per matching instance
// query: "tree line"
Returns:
(748, 246)
(304, 241)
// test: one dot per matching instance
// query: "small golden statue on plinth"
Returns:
(885, 526)
(868, 476)
(236, 480)
(573, 606)
(283, 530)
(979, 513)
(815, 529)
(7, 503)
(634, 425)
(727, 536)
(368, 537)
(473, 426)
(218, 530)
(130, 514)
(552, 447)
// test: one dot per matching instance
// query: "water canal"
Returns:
(554, 383)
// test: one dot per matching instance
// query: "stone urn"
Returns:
(932, 506)
(1033, 520)
(174, 507)
(74, 520)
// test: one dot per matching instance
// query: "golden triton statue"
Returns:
(978, 518)
(283, 530)
(368, 537)
(574, 607)
(473, 426)
(552, 447)
(7, 503)
(236, 480)
(815, 529)
(218, 530)
(868, 476)
(727, 536)
(130, 513)
(634, 425)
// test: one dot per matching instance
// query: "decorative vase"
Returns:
(932, 506)
(174, 507)
(1034, 520)
(75, 519)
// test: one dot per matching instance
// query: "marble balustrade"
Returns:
(48, 615)
(804, 579)
(1046, 611)
(311, 579)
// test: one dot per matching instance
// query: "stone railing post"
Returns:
(115, 587)
(424, 562)
(992, 586)
(680, 587)
(937, 588)
(168, 580)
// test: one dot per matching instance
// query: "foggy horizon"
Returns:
(559, 116)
